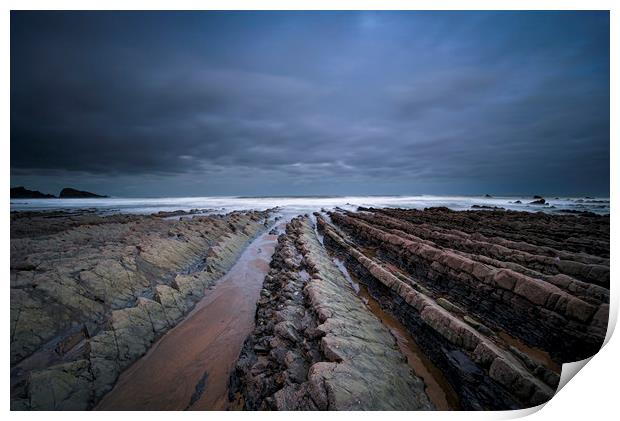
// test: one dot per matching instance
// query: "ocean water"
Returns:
(301, 205)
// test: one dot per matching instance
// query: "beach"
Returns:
(210, 308)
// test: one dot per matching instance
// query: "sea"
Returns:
(308, 204)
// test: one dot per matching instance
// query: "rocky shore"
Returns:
(90, 294)
(496, 300)
(316, 346)
(374, 309)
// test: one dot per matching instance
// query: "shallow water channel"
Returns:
(189, 367)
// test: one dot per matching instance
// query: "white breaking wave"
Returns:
(301, 205)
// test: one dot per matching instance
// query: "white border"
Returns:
(591, 395)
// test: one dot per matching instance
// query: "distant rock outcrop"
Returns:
(69, 193)
(23, 193)
(486, 207)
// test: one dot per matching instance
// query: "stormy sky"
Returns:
(306, 103)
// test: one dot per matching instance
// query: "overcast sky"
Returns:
(237, 103)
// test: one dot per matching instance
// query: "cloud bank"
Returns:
(262, 103)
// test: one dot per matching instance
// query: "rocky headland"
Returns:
(69, 193)
(24, 193)
(66, 193)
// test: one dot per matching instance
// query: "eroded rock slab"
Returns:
(558, 313)
(90, 294)
(316, 346)
(497, 301)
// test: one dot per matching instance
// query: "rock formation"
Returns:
(492, 302)
(23, 193)
(496, 300)
(90, 295)
(69, 193)
(315, 345)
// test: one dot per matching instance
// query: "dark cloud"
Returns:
(149, 103)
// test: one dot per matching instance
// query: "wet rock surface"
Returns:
(90, 294)
(496, 300)
(315, 345)
(378, 309)
(550, 302)
(195, 376)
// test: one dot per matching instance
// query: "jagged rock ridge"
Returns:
(315, 345)
(89, 299)
(496, 300)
